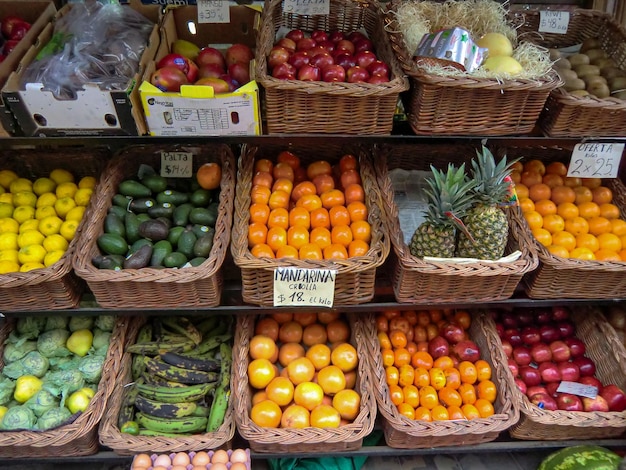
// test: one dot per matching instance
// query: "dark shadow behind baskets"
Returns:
(126, 444)
(466, 105)
(401, 432)
(311, 439)
(355, 279)
(567, 115)
(604, 347)
(54, 287)
(418, 281)
(199, 286)
(81, 436)
(295, 106)
(557, 277)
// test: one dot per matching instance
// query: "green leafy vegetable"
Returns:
(30, 327)
(91, 368)
(41, 402)
(56, 323)
(18, 417)
(34, 363)
(81, 323)
(53, 418)
(101, 338)
(105, 322)
(52, 343)
(14, 351)
(7, 387)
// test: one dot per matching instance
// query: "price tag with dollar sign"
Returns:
(595, 160)
(307, 7)
(213, 11)
(176, 164)
(551, 21)
(301, 287)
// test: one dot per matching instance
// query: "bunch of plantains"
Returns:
(181, 377)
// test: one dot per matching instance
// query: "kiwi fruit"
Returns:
(600, 90)
(617, 83)
(578, 59)
(579, 93)
(587, 69)
(563, 63)
(555, 54)
(590, 43)
(567, 74)
(574, 84)
(612, 72)
(595, 54)
(591, 80)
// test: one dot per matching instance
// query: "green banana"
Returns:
(145, 334)
(155, 347)
(178, 374)
(127, 408)
(164, 410)
(188, 362)
(166, 394)
(156, 380)
(182, 325)
(210, 344)
(201, 411)
(222, 393)
(188, 424)
(206, 327)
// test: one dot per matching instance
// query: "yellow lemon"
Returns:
(43, 185)
(30, 224)
(55, 242)
(9, 255)
(23, 213)
(46, 199)
(9, 267)
(68, 229)
(30, 237)
(21, 184)
(31, 254)
(24, 198)
(6, 209)
(82, 196)
(87, 182)
(52, 257)
(76, 213)
(59, 175)
(45, 211)
(50, 225)
(6, 198)
(64, 205)
(8, 241)
(30, 266)
(6, 178)
(9, 224)
(66, 190)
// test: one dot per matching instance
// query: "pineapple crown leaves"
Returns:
(449, 195)
(491, 186)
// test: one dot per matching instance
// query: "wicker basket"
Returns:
(355, 278)
(418, 281)
(604, 347)
(295, 106)
(126, 444)
(466, 105)
(558, 278)
(151, 287)
(54, 287)
(401, 432)
(81, 436)
(566, 115)
(310, 439)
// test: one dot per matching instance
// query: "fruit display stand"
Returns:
(295, 106)
(152, 287)
(56, 286)
(567, 115)
(79, 437)
(607, 352)
(416, 280)
(355, 276)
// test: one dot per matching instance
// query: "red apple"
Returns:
(322, 60)
(219, 85)
(466, 350)
(513, 366)
(536, 389)
(378, 67)
(451, 332)
(344, 59)
(595, 404)
(586, 366)
(209, 70)
(615, 397)
(525, 317)
(305, 44)
(295, 35)
(521, 385)
(319, 35)
(521, 355)
(238, 53)
(544, 316)
(566, 328)
(361, 45)
(541, 353)
(438, 346)
(530, 335)
(240, 71)
(19, 30)
(355, 36)
(357, 74)
(530, 375)
(592, 381)
(569, 402)
(8, 23)
(309, 73)
(549, 372)
(345, 45)
(549, 333)
(334, 73)
(365, 58)
(560, 313)
(500, 329)
(507, 347)
(377, 79)
(552, 388)
(277, 55)
(287, 43)
(232, 83)
(560, 351)
(509, 320)
(284, 71)
(168, 79)
(210, 55)
(299, 58)
(569, 371)
(544, 401)
(576, 346)
(336, 36)
(328, 45)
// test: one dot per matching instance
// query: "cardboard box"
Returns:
(93, 112)
(38, 13)
(196, 110)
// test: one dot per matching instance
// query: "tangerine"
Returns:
(257, 234)
(521, 190)
(486, 390)
(323, 183)
(583, 194)
(591, 182)
(556, 168)
(610, 211)
(618, 227)
(358, 248)
(333, 198)
(301, 189)
(450, 397)
(552, 180)
(602, 195)
(561, 194)
(353, 193)
(526, 204)
(599, 225)
(287, 252)
(361, 230)
(553, 223)
(262, 250)
(295, 417)
(280, 390)
(339, 215)
(529, 178)
(332, 379)
(289, 158)
(535, 165)
(545, 207)
(607, 255)
(319, 355)
(411, 395)
(297, 237)
(567, 210)
(299, 217)
(308, 394)
(288, 352)
(283, 184)
(262, 346)
(542, 236)
(345, 357)
(276, 238)
(577, 226)
(320, 218)
(533, 219)
(209, 175)
(310, 202)
(428, 397)
(260, 373)
(259, 213)
(314, 333)
(582, 253)
(348, 403)
(539, 191)
(310, 251)
(266, 414)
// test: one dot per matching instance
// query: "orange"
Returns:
(297, 237)
(535, 165)
(552, 180)
(483, 370)
(526, 204)
(406, 410)
(534, 219)
(528, 178)
(278, 217)
(348, 403)
(440, 413)
(398, 339)
(588, 210)
(308, 394)
(468, 371)
(257, 234)
(280, 390)
(545, 207)
(486, 390)
(289, 158)
(553, 223)
(341, 234)
(295, 417)
(607, 255)
(450, 397)
(332, 379)
(320, 218)
(561, 194)
(556, 168)
(484, 407)
(301, 189)
(437, 378)
(358, 248)
(276, 238)
(259, 213)
(278, 198)
(262, 250)
(422, 414)
(339, 215)
(260, 373)
(299, 217)
(602, 195)
(558, 250)
(401, 356)
(262, 346)
(542, 236)
(577, 226)
(609, 241)
(332, 198)
(567, 210)
(539, 191)
(521, 190)
(610, 211)
(517, 166)
(357, 210)
(209, 175)
(310, 251)
(470, 411)
(335, 251)
(283, 170)
(422, 359)
(319, 355)
(428, 397)
(266, 414)
(289, 352)
(587, 240)
(583, 194)
(310, 202)
(572, 182)
(622, 255)
(618, 227)
(591, 182)
(263, 164)
(564, 239)
(411, 395)
(320, 236)
(582, 253)
(361, 230)
(468, 393)
(354, 193)
(287, 252)
(283, 184)
(599, 225)
(345, 357)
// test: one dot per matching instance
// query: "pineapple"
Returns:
(449, 197)
(486, 222)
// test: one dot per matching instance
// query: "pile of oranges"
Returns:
(303, 371)
(315, 212)
(572, 217)
(428, 389)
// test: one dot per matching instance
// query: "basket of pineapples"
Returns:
(451, 225)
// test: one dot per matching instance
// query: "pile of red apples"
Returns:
(13, 29)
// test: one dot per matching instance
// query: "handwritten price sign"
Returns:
(595, 160)
(176, 164)
(553, 21)
(307, 7)
(298, 286)
(213, 11)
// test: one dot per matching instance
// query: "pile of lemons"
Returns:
(38, 219)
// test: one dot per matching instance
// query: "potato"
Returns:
(617, 83)
(600, 90)
(612, 72)
(578, 59)
(590, 43)
(575, 84)
(595, 54)
(555, 54)
(567, 74)
(587, 69)
(563, 63)
(579, 93)
(594, 79)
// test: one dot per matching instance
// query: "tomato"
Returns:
(299, 216)
(320, 167)
(266, 414)
(332, 198)
(280, 390)
(283, 170)
(323, 183)
(320, 218)
(260, 194)
(283, 184)
(463, 319)
(264, 164)
(290, 158)
(257, 234)
(349, 177)
(419, 333)
(295, 417)
(300, 189)
(348, 162)
(400, 323)
(278, 198)
(262, 178)
(348, 403)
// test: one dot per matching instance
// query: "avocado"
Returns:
(175, 260)
(138, 244)
(174, 234)
(142, 204)
(117, 210)
(203, 216)
(131, 222)
(197, 261)
(114, 262)
(154, 230)
(186, 243)
(134, 189)
(139, 259)
(160, 250)
(122, 201)
(114, 224)
(203, 246)
(112, 244)
(180, 215)
(155, 183)
(200, 198)
(173, 197)
(161, 209)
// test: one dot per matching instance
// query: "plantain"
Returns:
(189, 362)
(206, 326)
(164, 410)
(178, 374)
(201, 410)
(127, 408)
(156, 380)
(188, 424)
(210, 344)
(167, 394)
(182, 325)
(222, 393)
(150, 433)
(156, 347)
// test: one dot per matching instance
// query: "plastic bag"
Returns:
(95, 42)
